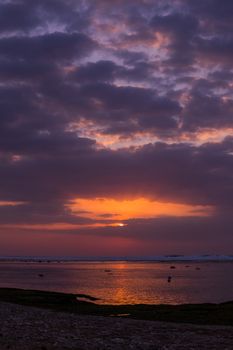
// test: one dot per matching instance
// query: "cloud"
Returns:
(17, 16)
(55, 46)
(217, 112)
(175, 173)
(155, 76)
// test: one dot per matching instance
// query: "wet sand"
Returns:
(25, 327)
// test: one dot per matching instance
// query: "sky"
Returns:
(116, 128)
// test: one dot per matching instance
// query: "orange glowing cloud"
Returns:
(105, 212)
(91, 130)
(213, 135)
(132, 209)
(10, 203)
(58, 226)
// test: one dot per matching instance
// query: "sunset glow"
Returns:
(133, 209)
(10, 203)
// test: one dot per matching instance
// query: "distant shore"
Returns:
(160, 258)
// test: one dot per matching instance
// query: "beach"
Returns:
(27, 328)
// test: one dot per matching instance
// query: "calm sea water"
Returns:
(126, 282)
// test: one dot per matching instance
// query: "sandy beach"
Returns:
(24, 328)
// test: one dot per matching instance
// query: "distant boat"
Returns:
(172, 267)
(40, 275)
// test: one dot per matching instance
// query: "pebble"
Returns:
(30, 328)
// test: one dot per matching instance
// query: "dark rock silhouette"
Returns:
(169, 279)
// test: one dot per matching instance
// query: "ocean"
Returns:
(126, 282)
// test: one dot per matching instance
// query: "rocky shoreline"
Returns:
(82, 304)
(26, 328)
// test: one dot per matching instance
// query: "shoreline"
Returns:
(81, 304)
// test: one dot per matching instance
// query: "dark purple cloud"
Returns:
(179, 173)
(54, 46)
(205, 110)
(17, 17)
(181, 30)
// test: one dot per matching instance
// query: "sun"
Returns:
(118, 224)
